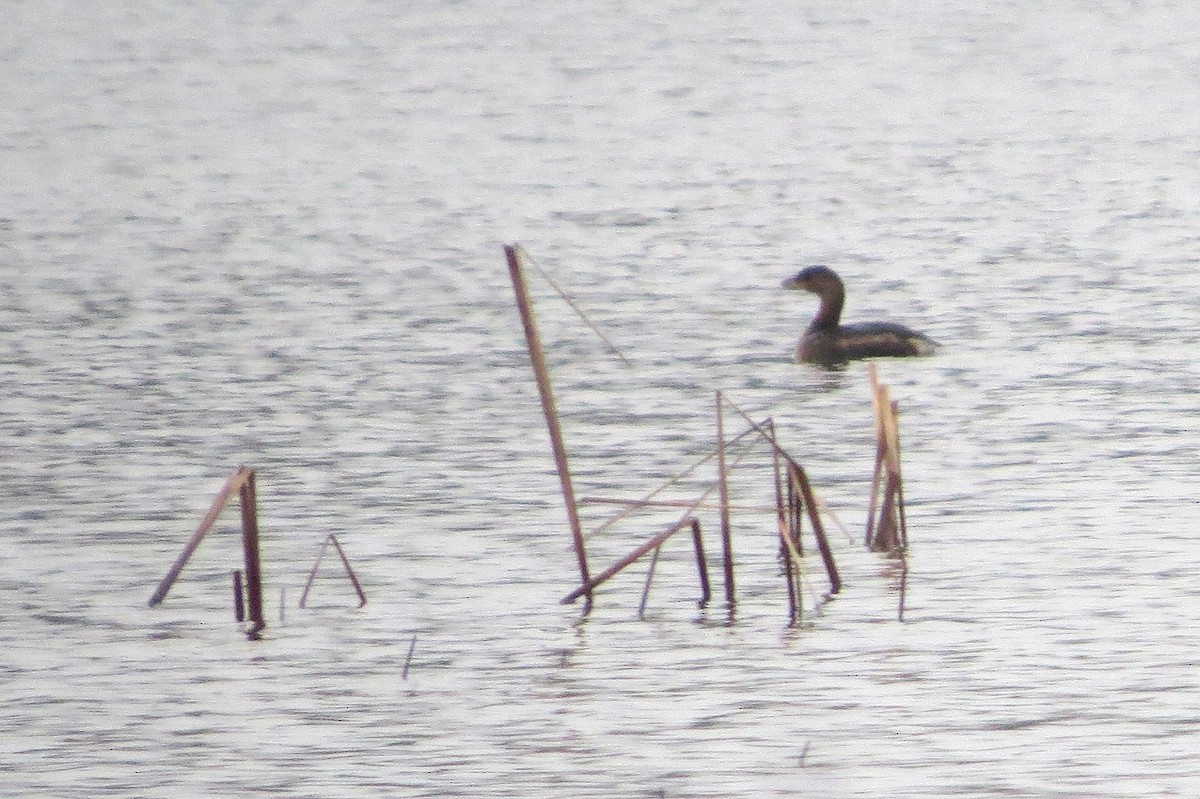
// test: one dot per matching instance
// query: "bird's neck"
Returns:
(830, 312)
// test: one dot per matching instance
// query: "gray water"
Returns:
(270, 234)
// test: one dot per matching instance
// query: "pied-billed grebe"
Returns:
(828, 342)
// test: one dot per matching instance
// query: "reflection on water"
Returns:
(271, 236)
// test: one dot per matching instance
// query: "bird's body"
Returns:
(828, 342)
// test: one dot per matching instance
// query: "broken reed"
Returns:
(806, 494)
(331, 540)
(794, 500)
(649, 546)
(688, 507)
(240, 482)
(887, 530)
(701, 564)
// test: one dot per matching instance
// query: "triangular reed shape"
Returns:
(332, 540)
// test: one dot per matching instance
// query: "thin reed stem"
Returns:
(673, 480)
(542, 375)
(312, 573)
(412, 647)
(572, 305)
(723, 494)
(649, 579)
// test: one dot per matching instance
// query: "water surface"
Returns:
(270, 234)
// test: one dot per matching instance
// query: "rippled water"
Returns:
(270, 234)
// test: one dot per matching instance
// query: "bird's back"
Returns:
(864, 340)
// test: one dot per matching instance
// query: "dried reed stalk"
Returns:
(689, 507)
(701, 563)
(886, 524)
(805, 490)
(723, 499)
(412, 647)
(894, 446)
(254, 594)
(332, 540)
(833, 517)
(793, 560)
(608, 573)
(646, 501)
(649, 579)
(239, 603)
(232, 486)
(809, 498)
(878, 400)
(788, 541)
(542, 376)
(524, 256)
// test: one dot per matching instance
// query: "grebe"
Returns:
(828, 342)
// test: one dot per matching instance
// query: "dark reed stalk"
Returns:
(649, 579)
(810, 501)
(239, 604)
(701, 563)
(795, 529)
(232, 485)
(793, 557)
(312, 573)
(810, 504)
(362, 597)
(783, 519)
(249, 504)
(412, 647)
(608, 573)
(723, 498)
(545, 391)
(795, 515)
